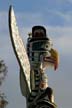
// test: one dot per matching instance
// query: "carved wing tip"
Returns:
(10, 7)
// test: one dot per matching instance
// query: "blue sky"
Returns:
(56, 16)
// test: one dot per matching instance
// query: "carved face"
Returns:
(41, 53)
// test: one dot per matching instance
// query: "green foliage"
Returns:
(3, 71)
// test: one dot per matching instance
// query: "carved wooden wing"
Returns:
(19, 50)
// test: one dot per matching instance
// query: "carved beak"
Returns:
(53, 59)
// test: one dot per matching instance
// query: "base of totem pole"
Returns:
(42, 100)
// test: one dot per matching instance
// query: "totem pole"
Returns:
(33, 62)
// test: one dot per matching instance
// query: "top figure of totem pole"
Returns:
(33, 61)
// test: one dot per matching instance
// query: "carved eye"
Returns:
(46, 46)
(49, 45)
